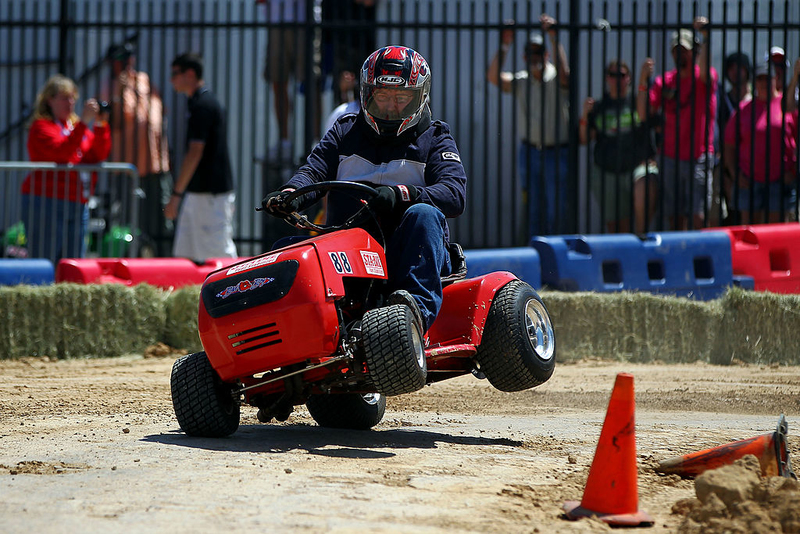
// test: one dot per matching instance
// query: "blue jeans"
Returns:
(417, 257)
(555, 179)
(771, 202)
(54, 228)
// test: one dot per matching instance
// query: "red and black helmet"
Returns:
(402, 75)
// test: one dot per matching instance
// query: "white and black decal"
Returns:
(341, 263)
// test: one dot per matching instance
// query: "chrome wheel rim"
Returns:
(371, 398)
(416, 345)
(539, 329)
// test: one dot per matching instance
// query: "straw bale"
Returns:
(758, 327)
(73, 320)
(181, 319)
(69, 320)
(635, 327)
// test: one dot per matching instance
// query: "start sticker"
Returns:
(372, 263)
(252, 264)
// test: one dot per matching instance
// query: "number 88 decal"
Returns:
(340, 262)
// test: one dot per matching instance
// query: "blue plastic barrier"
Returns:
(523, 262)
(690, 264)
(36, 271)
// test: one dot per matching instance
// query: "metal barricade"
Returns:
(112, 228)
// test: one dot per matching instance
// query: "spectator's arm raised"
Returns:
(701, 27)
(791, 89)
(561, 56)
(648, 67)
(493, 74)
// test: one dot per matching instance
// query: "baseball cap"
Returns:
(684, 38)
(536, 39)
(119, 52)
(535, 43)
(762, 69)
(777, 55)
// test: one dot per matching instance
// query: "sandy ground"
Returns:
(93, 445)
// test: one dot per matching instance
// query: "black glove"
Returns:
(391, 197)
(274, 204)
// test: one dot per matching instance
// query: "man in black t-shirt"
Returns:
(621, 152)
(205, 181)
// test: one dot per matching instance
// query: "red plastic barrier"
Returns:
(161, 272)
(770, 253)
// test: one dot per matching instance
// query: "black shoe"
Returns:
(401, 296)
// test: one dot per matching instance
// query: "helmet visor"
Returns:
(391, 104)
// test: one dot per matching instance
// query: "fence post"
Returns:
(574, 112)
(63, 35)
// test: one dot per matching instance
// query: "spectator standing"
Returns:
(54, 204)
(791, 87)
(349, 44)
(737, 72)
(687, 99)
(542, 94)
(765, 155)
(286, 58)
(788, 87)
(137, 130)
(205, 181)
(621, 151)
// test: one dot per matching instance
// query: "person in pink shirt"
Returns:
(686, 98)
(761, 154)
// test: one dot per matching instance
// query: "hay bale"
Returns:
(180, 328)
(635, 327)
(73, 320)
(758, 327)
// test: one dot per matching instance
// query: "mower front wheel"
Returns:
(352, 411)
(394, 350)
(204, 405)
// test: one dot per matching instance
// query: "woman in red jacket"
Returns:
(54, 206)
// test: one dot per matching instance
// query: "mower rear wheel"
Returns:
(353, 411)
(394, 350)
(204, 405)
(518, 349)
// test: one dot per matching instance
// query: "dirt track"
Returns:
(92, 445)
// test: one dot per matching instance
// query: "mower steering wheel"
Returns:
(361, 191)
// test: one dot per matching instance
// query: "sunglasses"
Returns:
(617, 74)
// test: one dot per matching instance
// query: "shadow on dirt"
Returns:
(363, 444)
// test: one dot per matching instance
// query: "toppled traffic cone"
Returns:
(612, 493)
(770, 449)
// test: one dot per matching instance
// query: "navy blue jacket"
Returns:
(425, 157)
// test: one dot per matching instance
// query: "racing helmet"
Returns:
(395, 89)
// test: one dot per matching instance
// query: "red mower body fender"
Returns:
(278, 309)
(465, 306)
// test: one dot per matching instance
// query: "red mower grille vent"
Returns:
(255, 338)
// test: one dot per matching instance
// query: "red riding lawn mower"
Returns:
(309, 324)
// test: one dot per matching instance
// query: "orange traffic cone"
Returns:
(612, 492)
(770, 449)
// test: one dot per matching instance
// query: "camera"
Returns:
(105, 107)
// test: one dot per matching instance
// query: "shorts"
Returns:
(694, 186)
(779, 195)
(618, 190)
(205, 227)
